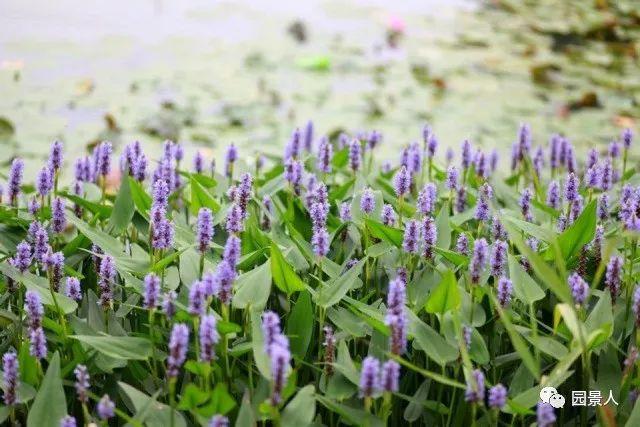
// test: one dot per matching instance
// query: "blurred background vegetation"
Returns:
(212, 72)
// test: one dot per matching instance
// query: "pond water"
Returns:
(209, 73)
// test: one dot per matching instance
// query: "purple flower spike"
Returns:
(234, 222)
(198, 162)
(225, 275)
(432, 146)
(480, 162)
(37, 343)
(280, 367)
(538, 160)
(320, 241)
(467, 334)
(613, 277)
(402, 182)
(151, 291)
(606, 175)
(230, 158)
(462, 244)
(163, 233)
(293, 174)
(33, 206)
(396, 317)
(270, 329)
(73, 289)
(388, 215)
(169, 304)
(466, 154)
(627, 138)
(106, 279)
(390, 376)
(545, 414)
(482, 208)
(475, 388)
(478, 260)
(15, 180)
(178, 345)
(209, 337)
(614, 149)
(370, 377)
(494, 158)
(415, 158)
(497, 396)
(219, 421)
(525, 204)
(308, 136)
(504, 290)
(22, 259)
(82, 383)
(345, 212)
(11, 378)
(44, 181)
(449, 155)
(244, 192)
(197, 299)
(367, 201)
(579, 288)
(103, 158)
(571, 187)
(429, 236)
(292, 149)
(524, 139)
(452, 177)
(204, 231)
(375, 138)
(592, 158)
(498, 258)
(553, 195)
(461, 199)
(232, 250)
(497, 229)
(427, 199)
(355, 154)
(411, 242)
(58, 220)
(106, 408)
(68, 421)
(554, 151)
(34, 309)
(55, 156)
(325, 155)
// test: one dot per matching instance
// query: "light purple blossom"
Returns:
(15, 180)
(571, 187)
(462, 244)
(613, 276)
(390, 376)
(325, 155)
(504, 291)
(82, 383)
(37, 343)
(11, 377)
(545, 415)
(429, 236)
(320, 241)
(169, 304)
(219, 421)
(478, 260)
(355, 154)
(466, 154)
(367, 201)
(73, 289)
(22, 259)
(204, 229)
(579, 288)
(55, 155)
(178, 345)
(106, 408)
(58, 220)
(388, 215)
(209, 337)
(44, 181)
(103, 158)
(411, 241)
(475, 388)
(452, 177)
(497, 396)
(402, 181)
(498, 258)
(370, 377)
(345, 211)
(427, 199)
(627, 138)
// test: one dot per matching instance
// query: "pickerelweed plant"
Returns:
(323, 287)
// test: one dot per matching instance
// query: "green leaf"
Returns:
(300, 325)
(525, 288)
(332, 292)
(301, 409)
(245, 415)
(112, 246)
(429, 341)
(50, 405)
(580, 233)
(443, 228)
(41, 286)
(221, 402)
(140, 197)
(283, 274)
(118, 347)
(517, 341)
(384, 232)
(446, 295)
(123, 209)
(352, 415)
(257, 343)
(139, 402)
(200, 197)
(253, 287)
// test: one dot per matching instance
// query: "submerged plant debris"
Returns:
(328, 285)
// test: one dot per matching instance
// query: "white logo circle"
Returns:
(546, 393)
